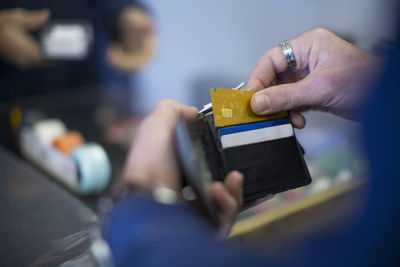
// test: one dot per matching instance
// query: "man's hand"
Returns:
(152, 160)
(331, 75)
(135, 45)
(17, 46)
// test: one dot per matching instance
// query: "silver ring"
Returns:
(288, 53)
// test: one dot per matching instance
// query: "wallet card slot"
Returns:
(269, 167)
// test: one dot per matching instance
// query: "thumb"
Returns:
(31, 20)
(283, 97)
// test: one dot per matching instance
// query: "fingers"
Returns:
(229, 198)
(172, 110)
(30, 20)
(164, 119)
(234, 184)
(285, 97)
(270, 64)
(31, 54)
(152, 158)
(227, 204)
(273, 62)
(19, 48)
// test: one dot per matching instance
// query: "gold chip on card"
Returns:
(232, 107)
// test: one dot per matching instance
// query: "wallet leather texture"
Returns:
(269, 167)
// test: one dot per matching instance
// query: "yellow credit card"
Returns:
(232, 107)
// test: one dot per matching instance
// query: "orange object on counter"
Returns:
(68, 142)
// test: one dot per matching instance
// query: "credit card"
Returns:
(246, 134)
(231, 107)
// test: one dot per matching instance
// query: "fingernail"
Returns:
(295, 118)
(262, 104)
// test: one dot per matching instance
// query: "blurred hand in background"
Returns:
(136, 41)
(17, 46)
(331, 75)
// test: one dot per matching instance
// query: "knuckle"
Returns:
(320, 32)
(266, 57)
(288, 99)
(166, 103)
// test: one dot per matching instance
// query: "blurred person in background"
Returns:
(124, 43)
(124, 40)
(330, 75)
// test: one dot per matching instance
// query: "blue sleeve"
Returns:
(146, 233)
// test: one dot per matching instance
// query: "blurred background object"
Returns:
(47, 46)
(68, 48)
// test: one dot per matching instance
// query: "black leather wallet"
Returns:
(269, 167)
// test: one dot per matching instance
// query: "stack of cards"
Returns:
(232, 137)
(264, 148)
